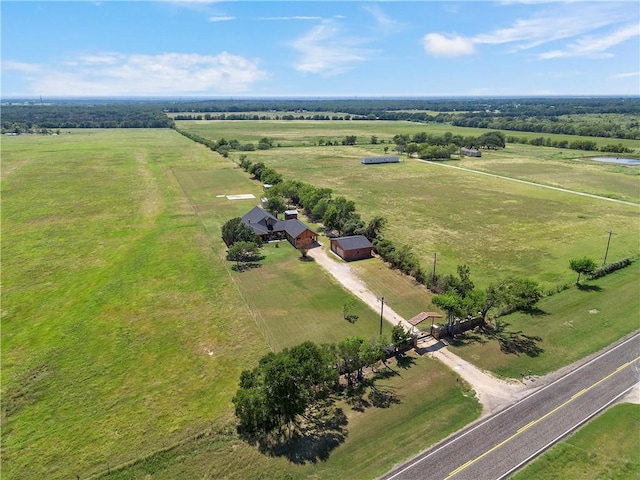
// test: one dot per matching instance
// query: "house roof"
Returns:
(422, 316)
(353, 242)
(293, 227)
(260, 220)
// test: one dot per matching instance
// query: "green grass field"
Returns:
(560, 168)
(607, 447)
(496, 226)
(424, 394)
(308, 132)
(124, 333)
(121, 331)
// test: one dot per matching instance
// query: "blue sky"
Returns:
(320, 48)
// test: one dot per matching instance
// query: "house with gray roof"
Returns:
(354, 247)
(268, 227)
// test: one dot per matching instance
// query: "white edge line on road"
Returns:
(562, 435)
(419, 460)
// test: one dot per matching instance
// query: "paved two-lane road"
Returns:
(500, 444)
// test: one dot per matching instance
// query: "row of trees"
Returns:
(336, 213)
(426, 145)
(224, 146)
(588, 145)
(285, 384)
(402, 108)
(34, 118)
(575, 125)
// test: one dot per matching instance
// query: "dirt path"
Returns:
(493, 393)
(541, 185)
(350, 280)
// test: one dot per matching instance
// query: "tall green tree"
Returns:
(235, 231)
(338, 213)
(374, 228)
(583, 265)
(243, 252)
(275, 205)
(400, 336)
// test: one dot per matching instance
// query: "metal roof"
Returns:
(353, 242)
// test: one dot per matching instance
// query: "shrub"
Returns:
(609, 268)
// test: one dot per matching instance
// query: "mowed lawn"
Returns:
(607, 447)
(124, 332)
(498, 227)
(290, 300)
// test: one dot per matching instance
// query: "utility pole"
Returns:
(610, 232)
(381, 300)
(434, 264)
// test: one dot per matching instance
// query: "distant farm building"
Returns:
(355, 247)
(385, 159)
(470, 152)
(268, 227)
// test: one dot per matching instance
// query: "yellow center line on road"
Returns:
(534, 422)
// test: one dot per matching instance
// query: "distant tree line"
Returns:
(511, 106)
(34, 118)
(576, 125)
(544, 115)
(580, 144)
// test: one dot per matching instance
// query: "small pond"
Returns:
(619, 160)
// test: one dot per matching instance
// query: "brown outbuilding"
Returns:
(354, 247)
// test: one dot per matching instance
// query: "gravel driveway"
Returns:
(493, 393)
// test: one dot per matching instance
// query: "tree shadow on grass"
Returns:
(382, 397)
(589, 288)
(404, 361)
(467, 338)
(355, 395)
(310, 440)
(535, 312)
(514, 342)
(306, 259)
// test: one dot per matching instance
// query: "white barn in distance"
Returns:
(384, 159)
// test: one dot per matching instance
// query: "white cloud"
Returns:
(327, 51)
(294, 17)
(221, 19)
(383, 22)
(624, 75)
(139, 74)
(447, 46)
(561, 22)
(594, 46)
(569, 20)
(21, 67)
